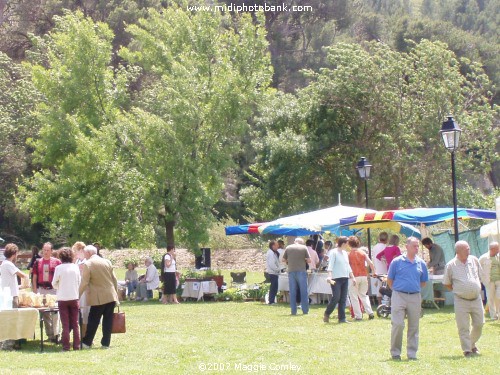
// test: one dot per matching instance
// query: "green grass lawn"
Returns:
(185, 338)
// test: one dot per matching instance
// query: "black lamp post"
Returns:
(364, 169)
(451, 138)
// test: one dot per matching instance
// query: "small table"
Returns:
(41, 311)
(18, 324)
(427, 291)
(316, 285)
(197, 289)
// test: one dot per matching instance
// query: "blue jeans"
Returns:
(339, 295)
(132, 285)
(273, 290)
(297, 282)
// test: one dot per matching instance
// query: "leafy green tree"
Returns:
(18, 97)
(376, 102)
(112, 168)
(82, 190)
(205, 74)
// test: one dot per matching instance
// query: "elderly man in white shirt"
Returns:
(461, 276)
(149, 282)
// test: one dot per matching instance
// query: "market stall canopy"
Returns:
(320, 221)
(416, 216)
(243, 229)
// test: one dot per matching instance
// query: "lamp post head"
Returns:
(450, 132)
(364, 168)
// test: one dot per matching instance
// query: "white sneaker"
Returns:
(104, 347)
(85, 346)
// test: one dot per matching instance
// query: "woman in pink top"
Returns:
(390, 252)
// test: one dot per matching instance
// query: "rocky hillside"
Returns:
(240, 259)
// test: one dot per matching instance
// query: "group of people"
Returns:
(407, 273)
(83, 282)
(144, 285)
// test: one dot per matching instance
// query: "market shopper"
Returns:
(407, 275)
(461, 276)
(43, 275)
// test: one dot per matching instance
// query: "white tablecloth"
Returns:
(197, 289)
(18, 324)
(316, 283)
(427, 291)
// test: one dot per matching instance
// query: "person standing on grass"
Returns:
(461, 276)
(380, 266)
(390, 252)
(358, 260)
(43, 274)
(339, 273)
(102, 296)
(8, 277)
(67, 281)
(296, 257)
(313, 265)
(407, 275)
(436, 257)
(78, 251)
(273, 270)
(490, 264)
(169, 276)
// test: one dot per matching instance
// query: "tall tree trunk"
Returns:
(169, 232)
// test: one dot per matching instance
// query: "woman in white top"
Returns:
(273, 268)
(67, 282)
(339, 271)
(9, 273)
(169, 277)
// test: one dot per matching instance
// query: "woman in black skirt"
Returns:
(169, 276)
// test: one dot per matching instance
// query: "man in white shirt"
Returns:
(380, 266)
(489, 279)
(461, 276)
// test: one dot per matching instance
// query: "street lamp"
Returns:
(451, 138)
(364, 169)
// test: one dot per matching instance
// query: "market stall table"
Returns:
(197, 289)
(18, 324)
(317, 285)
(428, 290)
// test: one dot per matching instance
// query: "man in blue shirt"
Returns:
(407, 275)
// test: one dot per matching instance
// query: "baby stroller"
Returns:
(384, 309)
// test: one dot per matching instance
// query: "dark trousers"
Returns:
(273, 290)
(339, 295)
(96, 312)
(68, 311)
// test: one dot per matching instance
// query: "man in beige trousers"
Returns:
(462, 277)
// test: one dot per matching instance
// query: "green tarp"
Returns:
(478, 245)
